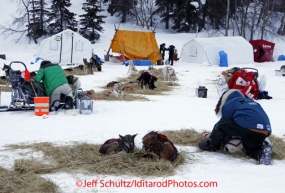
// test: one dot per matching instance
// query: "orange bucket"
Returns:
(41, 106)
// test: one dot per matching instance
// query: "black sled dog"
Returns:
(124, 143)
(147, 78)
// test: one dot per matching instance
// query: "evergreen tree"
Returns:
(60, 18)
(121, 8)
(192, 17)
(164, 10)
(110, 8)
(91, 21)
(215, 11)
(185, 16)
(36, 25)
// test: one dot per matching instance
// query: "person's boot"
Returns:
(206, 146)
(54, 106)
(214, 141)
(266, 154)
(266, 95)
(68, 102)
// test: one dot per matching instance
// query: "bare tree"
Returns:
(266, 16)
(28, 22)
(227, 18)
(18, 26)
(240, 18)
(281, 29)
(31, 26)
(143, 12)
(253, 25)
(245, 7)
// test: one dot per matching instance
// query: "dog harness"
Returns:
(114, 91)
(151, 74)
(112, 83)
(168, 70)
(109, 141)
(163, 139)
(72, 79)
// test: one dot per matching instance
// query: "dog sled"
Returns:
(23, 89)
(246, 79)
(238, 78)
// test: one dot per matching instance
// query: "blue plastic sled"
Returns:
(98, 59)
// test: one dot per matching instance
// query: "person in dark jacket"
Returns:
(162, 50)
(245, 118)
(171, 54)
(55, 84)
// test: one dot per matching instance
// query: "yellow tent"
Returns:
(136, 45)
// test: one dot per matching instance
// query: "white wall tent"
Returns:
(66, 47)
(206, 50)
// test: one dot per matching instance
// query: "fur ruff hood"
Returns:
(232, 93)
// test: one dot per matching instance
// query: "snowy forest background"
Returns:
(252, 19)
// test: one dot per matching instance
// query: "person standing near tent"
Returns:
(171, 53)
(162, 50)
(243, 117)
(55, 84)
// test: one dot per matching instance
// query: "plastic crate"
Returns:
(142, 62)
(41, 106)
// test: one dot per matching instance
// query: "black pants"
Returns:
(251, 141)
(170, 59)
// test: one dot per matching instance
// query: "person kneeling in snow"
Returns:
(55, 84)
(242, 117)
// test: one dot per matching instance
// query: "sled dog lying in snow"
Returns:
(159, 146)
(115, 93)
(124, 143)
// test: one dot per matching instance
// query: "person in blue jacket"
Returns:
(245, 118)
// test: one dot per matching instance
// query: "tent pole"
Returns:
(71, 56)
(116, 29)
(124, 59)
(60, 48)
(207, 58)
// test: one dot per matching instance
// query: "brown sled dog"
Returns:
(124, 143)
(158, 145)
(87, 66)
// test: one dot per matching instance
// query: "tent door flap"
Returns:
(193, 51)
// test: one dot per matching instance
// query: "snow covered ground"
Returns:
(179, 109)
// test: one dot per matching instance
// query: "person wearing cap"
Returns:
(245, 118)
(55, 84)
